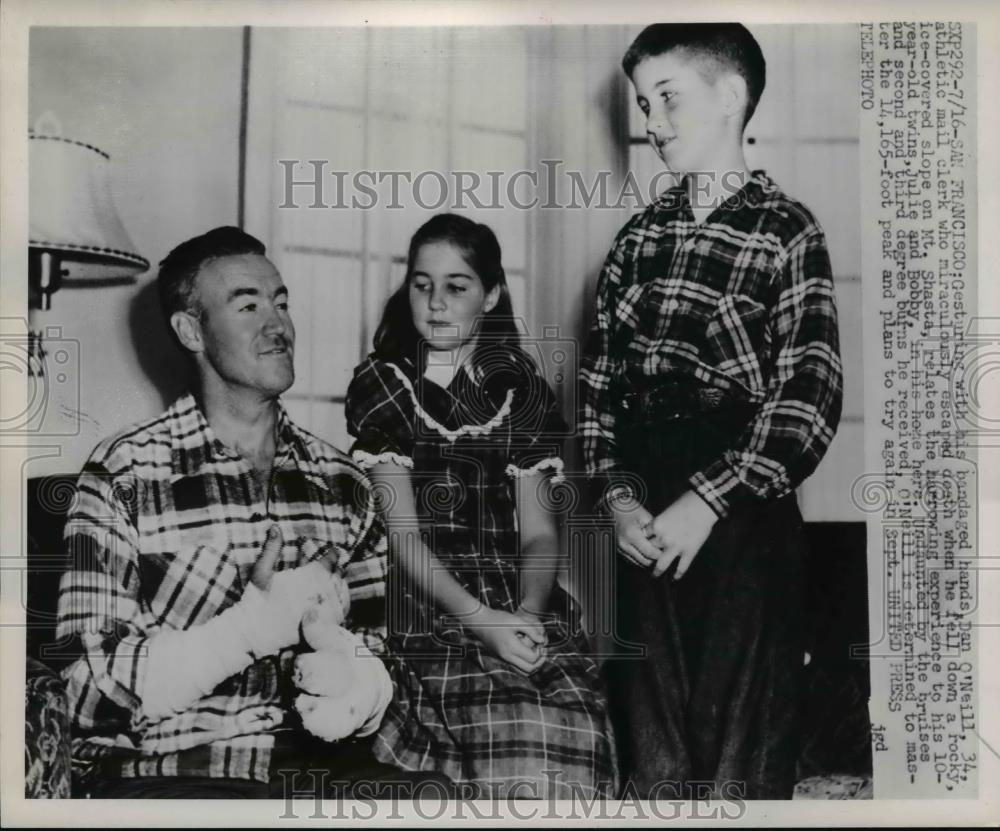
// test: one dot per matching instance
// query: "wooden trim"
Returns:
(241, 175)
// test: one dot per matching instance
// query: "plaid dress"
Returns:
(459, 709)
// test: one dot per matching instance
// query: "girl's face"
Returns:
(447, 297)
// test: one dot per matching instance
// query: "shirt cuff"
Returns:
(117, 663)
(721, 487)
(374, 638)
(554, 464)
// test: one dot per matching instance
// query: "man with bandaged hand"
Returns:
(225, 595)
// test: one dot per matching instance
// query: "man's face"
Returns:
(247, 335)
(686, 114)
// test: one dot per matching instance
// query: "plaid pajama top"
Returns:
(742, 302)
(165, 528)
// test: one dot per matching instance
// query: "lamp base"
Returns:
(45, 275)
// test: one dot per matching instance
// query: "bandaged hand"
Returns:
(345, 688)
(274, 604)
(185, 665)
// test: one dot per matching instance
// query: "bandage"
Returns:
(185, 665)
(346, 688)
(322, 620)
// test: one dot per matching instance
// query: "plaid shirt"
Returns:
(163, 534)
(742, 302)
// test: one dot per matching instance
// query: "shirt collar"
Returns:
(292, 441)
(757, 190)
(194, 444)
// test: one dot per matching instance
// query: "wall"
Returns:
(383, 99)
(581, 121)
(807, 137)
(164, 104)
(423, 101)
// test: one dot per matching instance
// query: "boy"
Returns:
(712, 388)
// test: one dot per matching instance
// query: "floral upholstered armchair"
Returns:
(47, 768)
(47, 756)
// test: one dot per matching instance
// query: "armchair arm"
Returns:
(46, 734)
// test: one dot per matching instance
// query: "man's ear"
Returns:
(492, 298)
(187, 327)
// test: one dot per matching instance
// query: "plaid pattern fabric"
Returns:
(164, 531)
(458, 709)
(742, 302)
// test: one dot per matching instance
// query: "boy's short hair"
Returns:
(179, 268)
(730, 44)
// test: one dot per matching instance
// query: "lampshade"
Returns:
(72, 213)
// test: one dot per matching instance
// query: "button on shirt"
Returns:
(742, 302)
(163, 534)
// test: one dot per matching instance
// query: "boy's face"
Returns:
(688, 110)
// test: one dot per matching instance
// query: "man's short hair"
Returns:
(730, 44)
(180, 267)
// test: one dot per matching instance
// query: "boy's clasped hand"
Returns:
(676, 534)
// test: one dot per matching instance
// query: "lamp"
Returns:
(75, 237)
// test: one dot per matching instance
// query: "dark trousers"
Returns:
(712, 707)
(301, 768)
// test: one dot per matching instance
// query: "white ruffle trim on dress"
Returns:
(367, 460)
(465, 429)
(553, 462)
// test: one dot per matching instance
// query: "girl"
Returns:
(460, 436)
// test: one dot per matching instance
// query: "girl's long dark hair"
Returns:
(397, 338)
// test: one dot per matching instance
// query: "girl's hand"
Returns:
(680, 532)
(632, 528)
(517, 639)
(527, 611)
